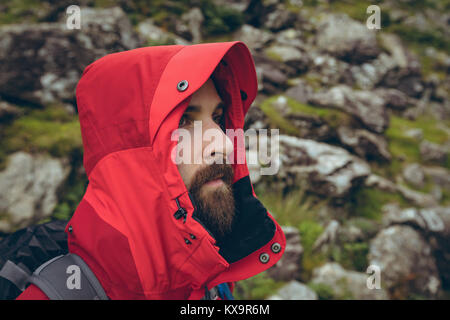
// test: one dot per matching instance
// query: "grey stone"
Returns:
(294, 290)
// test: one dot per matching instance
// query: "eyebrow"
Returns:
(195, 108)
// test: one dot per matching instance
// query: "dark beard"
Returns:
(214, 207)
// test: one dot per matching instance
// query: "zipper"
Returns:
(181, 212)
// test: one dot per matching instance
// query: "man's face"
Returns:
(209, 184)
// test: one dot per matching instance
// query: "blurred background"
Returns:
(363, 116)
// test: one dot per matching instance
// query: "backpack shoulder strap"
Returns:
(17, 274)
(68, 277)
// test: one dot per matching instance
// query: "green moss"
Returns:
(433, 37)
(276, 120)
(352, 255)
(368, 202)
(50, 130)
(405, 149)
(258, 287)
(19, 11)
(324, 292)
(334, 118)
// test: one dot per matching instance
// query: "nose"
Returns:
(217, 145)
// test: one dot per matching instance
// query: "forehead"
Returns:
(205, 98)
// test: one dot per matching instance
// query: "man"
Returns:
(149, 226)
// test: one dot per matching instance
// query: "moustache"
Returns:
(212, 172)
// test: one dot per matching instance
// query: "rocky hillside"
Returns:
(364, 120)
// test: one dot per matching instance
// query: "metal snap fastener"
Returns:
(182, 85)
(187, 241)
(70, 229)
(192, 236)
(243, 95)
(264, 257)
(276, 247)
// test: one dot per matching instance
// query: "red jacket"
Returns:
(124, 227)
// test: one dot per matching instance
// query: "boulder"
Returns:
(294, 290)
(28, 189)
(346, 284)
(319, 167)
(366, 106)
(43, 62)
(433, 153)
(346, 38)
(414, 174)
(406, 262)
(365, 144)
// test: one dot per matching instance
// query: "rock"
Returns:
(9, 112)
(381, 183)
(190, 25)
(416, 134)
(319, 167)
(346, 284)
(394, 99)
(28, 188)
(156, 35)
(406, 262)
(364, 143)
(440, 176)
(404, 73)
(301, 92)
(417, 198)
(289, 266)
(289, 55)
(329, 70)
(432, 152)
(414, 174)
(294, 290)
(291, 37)
(346, 38)
(328, 236)
(279, 19)
(238, 5)
(254, 38)
(42, 63)
(366, 106)
(428, 220)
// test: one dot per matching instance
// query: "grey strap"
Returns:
(53, 278)
(17, 274)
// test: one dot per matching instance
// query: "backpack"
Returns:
(43, 248)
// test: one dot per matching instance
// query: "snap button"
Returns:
(276, 247)
(264, 257)
(243, 95)
(187, 241)
(192, 236)
(182, 85)
(70, 229)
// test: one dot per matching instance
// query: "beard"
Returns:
(214, 204)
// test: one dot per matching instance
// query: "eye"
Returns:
(184, 121)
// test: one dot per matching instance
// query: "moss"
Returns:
(324, 292)
(50, 130)
(405, 149)
(19, 11)
(276, 120)
(334, 118)
(433, 37)
(368, 202)
(352, 255)
(258, 287)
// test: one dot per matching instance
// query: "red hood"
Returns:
(124, 227)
